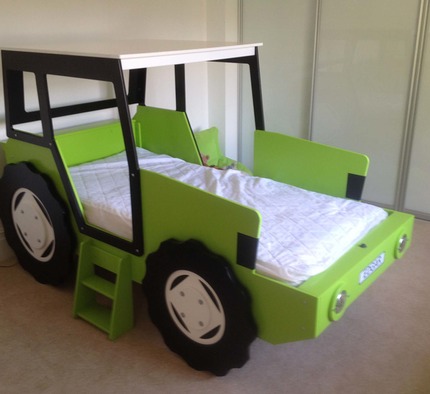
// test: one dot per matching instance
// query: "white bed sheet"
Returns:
(302, 232)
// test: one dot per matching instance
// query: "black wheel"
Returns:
(202, 311)
(35, 224)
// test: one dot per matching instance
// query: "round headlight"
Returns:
(401, 245)
(338, 303)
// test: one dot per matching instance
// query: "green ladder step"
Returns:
(100, 285)
(98, 315)
(114, 313)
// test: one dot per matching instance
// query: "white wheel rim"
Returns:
(33, 225)
(195, 307)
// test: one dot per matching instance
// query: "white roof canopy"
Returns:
(135, 54)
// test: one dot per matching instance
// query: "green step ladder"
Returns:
(103, 291)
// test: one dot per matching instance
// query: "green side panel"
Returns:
(283, 313)
(89, 144)
(172, 209)
(306, 164)
(166, 131)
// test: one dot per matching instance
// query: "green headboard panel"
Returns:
(90, 143)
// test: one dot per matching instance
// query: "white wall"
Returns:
(62, 19)
(59, 20)
(223, 25)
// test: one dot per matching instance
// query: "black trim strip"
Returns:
(180, 87)
(246, 250)
(137, 86)
(355, 185)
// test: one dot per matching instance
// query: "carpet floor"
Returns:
(381, 345)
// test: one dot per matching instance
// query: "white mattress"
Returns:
(302, 232)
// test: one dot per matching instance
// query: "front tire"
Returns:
(202, 311)
(35, 224)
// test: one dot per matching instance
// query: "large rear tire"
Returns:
(202, 311)
(36, 224)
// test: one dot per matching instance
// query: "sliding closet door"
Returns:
(364, 61)
(418, 184)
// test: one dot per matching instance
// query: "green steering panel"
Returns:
(167, 132)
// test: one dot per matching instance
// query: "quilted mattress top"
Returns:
(302, 232)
